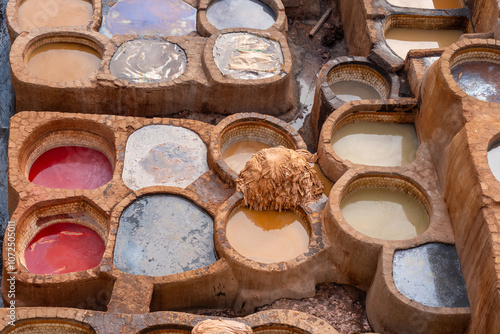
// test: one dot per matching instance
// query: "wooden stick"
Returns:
(320, 23)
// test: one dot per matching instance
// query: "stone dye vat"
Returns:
(235, 139)
(164, 155)
(376, 143)
(430, 274)
(248, 56)
(149, 17)
(50, 326)
(71, 167)
(63, 61)
(162, 234)
(380, 135)
(39, 13)
(63, 248)
(148, 61)
(254, 14)
(346, 79)
(402, 40)
(428, 4)
(267, 236)
(385, 213)
(477, 73)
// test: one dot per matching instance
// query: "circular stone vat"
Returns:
(58, 13)
(242, 55)
(427, 4)
(170, 329)
(63, 61)
(163, 234)
(386, 208)
(143, 60)
(278, 329)
(71, 167)
(150, 17)
(375, 143)
(252, 14)
(403, 33)
(164, 155)
(355, 81)
(267, 236)
(49, 326)
(430, 274)
(477, 73)
(63, 248)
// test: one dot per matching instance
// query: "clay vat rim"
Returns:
(413, 303)
(51, 320)
(277, 326)
(378, 73)
(227, 251)
(12, 18)
(182, 326)
(24, 45)
(340, 190)
(336, 122)
(449, 61)
(99, 224)
(119, 40)
(276, 6)
(124, 203)
(215, 159)
(52, 134)
(465, 25)
(214, 73)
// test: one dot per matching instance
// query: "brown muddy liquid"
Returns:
(401, 40)
(383, 213)
(54, 13)
(327, 184)
(237, 154)
(354, 90)
(428, 4)
(63, 61)
(267, 236)
(376, 144)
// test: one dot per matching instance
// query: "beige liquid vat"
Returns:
(428, 4)
(401, 40)
(327, 184)
(354, 90)
(267, 236)
(384, 213)
(54, 13)
(237, 154)
(63, 61)
(376, 144)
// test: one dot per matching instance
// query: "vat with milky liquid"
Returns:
(252, 14)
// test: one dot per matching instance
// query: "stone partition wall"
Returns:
(459, 136)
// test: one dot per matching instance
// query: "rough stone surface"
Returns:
(164, 155)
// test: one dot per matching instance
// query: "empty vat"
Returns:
(376, 143)
(63, 61)
(252, 14)
(242, 55)
(267, 236)
(143, 60)
(477, 72)
(64, 247)
(163, 234)
(49, 326)
(382, 208)
(428, 4)
(403, 32)
(430, 274)
(56, 13)
(164, 155)
(149, 17)
(71, 167)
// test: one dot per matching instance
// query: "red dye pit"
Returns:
(71, 167)
(64, 248)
